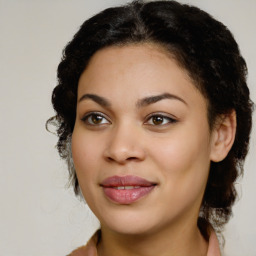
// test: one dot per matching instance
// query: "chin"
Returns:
(130, 229)
(129, 223)
(121, 219)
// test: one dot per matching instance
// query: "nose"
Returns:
(125, 145)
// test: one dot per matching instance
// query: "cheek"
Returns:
(184, 160)
(181, 152)
(84, 152)
(184, 176)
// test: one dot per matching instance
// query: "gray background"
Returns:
(38, 214)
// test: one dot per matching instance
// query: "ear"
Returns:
(223, 136)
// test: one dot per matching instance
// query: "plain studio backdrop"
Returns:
(38, 214)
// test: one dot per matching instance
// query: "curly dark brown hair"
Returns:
(203, 46)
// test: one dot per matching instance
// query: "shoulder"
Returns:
(90, 249)
(213, 248)
(81, 251)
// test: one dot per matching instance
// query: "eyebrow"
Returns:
(153, 99)
(141, 103)
(98, 99)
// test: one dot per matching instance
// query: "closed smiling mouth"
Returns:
(126, 189)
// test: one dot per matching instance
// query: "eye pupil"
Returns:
(157, 120)
(96, 119)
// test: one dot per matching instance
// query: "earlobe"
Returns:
(223, 136)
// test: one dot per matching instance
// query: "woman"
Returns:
(154, 117)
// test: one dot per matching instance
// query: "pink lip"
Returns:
(114, 188)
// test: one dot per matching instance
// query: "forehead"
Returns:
(135, 69)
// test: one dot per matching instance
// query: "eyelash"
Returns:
(168, 120)
(86, 118)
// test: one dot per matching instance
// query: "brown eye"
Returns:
(157, 120)
(95, 119)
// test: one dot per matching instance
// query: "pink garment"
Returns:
(90, 248)
(213, 248)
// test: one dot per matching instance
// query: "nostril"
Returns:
(124, 160)
(110, 159)
(131, 158)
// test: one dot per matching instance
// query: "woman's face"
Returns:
(141, 143)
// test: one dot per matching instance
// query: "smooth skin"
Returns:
(139, 113)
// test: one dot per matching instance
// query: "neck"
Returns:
(182, 241)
